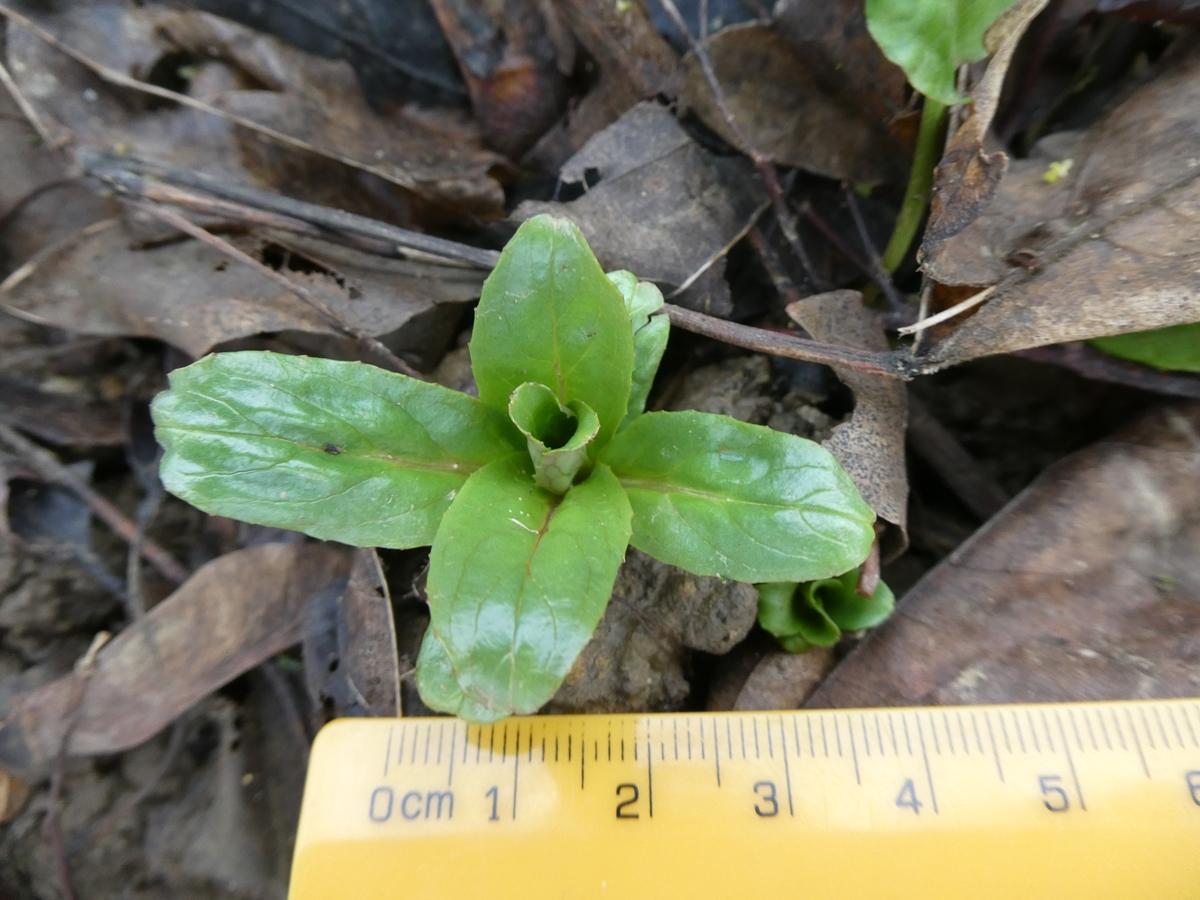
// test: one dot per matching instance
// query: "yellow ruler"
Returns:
(1065, 801)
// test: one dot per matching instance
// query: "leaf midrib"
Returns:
(663, 487)
(463, 468)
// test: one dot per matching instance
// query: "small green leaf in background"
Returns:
(549, 314)
(816, 613)
(518, 580)
(930, 39)
(339, 450)
(558, 438)
(650, 332)
(716, 496)
(1176, 348)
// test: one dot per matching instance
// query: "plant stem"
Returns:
(920, 177)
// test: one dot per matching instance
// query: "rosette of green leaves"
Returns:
(529, 494)
(816, 613)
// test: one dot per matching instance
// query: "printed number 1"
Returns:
(907, 798)
(494, 793)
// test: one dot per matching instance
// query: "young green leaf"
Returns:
(548, 314)
(558, 438)
(717, 496)
(1176, 348)
(642, 299)
(339, 450)
(816, 613)
(518, 580)
(929, 39)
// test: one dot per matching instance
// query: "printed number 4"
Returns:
(907, 798)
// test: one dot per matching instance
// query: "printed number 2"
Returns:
(1193, 783)
(907, 798)
(632, 790)
(1054, 798)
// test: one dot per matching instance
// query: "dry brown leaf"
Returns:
(795, 104)
(1084, 588)
(968, 176)
(1108, 248)
(757, 675)
(370, 658)
(316, 104)
(870, 444)
(13, 794)
(232, 614)
(193, 296)
(664, 207)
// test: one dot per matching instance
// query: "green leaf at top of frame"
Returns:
(650, 332)
(930, 39)
(1176, 348)
(339, 450)
(716, 496)
(518, 580)
(549, 314)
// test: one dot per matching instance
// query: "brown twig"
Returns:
(934, 443)
(766, 169)
(875, 268)
(892, 365)
(49, 468)
(1099, 366)
(868, 572)
(367, 342)
(27, 110)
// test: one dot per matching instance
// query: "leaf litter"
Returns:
(601, 112)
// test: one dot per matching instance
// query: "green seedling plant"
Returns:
(817, 613)
(530, 493)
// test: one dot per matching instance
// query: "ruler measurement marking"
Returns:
(675, 735)
(1037, 745)
(517, 766)
(1137, 742)
(907, 736)
(1146, 725)
(787, 770)
(853, 751)
(742, 729)
(796, 733)
(570, 746)
(949, 733)
(962, 732)
(400, 751)
(1187, 721)
(837, 733)
(441, 740)
(428, 735)
(1046, 730)
(1162, 731)
(450, 769)
(687, 726)
(1004, 734)
(995, 750)
(416, 740)
(770, 743)
(862, 723)
(879, 735)
(610, 741)
(491, 744)
(650, 773)
(703, 752)
(1087, 721)
(717, 749)
(928, 768)
(1020, 734)
(1075, 730)
(596, 751)
(729, 737)
(1175, 726)
(387, 753)
(504, 744)
(582, 761)
(892, 728)
(1103, 729)
(812, 751)
(824, 739)
(1070, 761)
(937, 744)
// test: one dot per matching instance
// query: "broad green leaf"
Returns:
(518, 580)
(642, 299)
(717, 496)
(1176, 348)
(339, 450)
(558, 438)
(816, 613)
(548, 314)
(929, 39)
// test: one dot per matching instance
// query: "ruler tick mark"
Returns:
(1146, 725)
(879, 735)
(757, 746)
(491, 743)
(517, 766)
(1020, 734)
(416, 740)
(892, 729)
(742, 729)
(862, 724)
(1087, 723)
(1187, 721)
(962, 732)
(387, 753)
(543, 748)
(1103, 728)
(1004, 733)
(1075, 729)
(1070, 760)
(650, 774)
(995, 752)
(1162, 731)
(853, 750)
(1037, 745)
(717, 750)
(428, 735)
(466, 743)
(1137, 742)
(570, 746)
(1175, 726)
(1046, 730)
(907, 736)
(928, 768)
(729, 737)
(824, 739)
(837, 733)
(688, 726)
(770, 741)
(400, 751)
(787, 769)
(504, 744)
(610, 741)
(949, 733)
(453, 742)
(937, 744)
(675, 736)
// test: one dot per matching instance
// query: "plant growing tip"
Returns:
(816, 613)
(528, 495)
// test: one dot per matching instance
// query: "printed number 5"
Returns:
(1055, 798)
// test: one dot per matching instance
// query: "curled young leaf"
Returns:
(549, 314)
(518, 579)
(339, 450)
(717, 496)
(558, 437)
(650, 332)
(816, 613)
